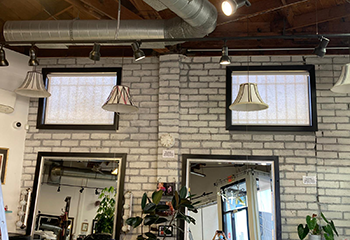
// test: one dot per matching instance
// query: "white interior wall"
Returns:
(11, 78)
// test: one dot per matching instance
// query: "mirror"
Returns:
(71, 189)
(239, 195)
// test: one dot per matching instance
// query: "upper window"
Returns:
(77, 96)
(290, 92)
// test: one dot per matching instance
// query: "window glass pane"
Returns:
(265, 196)
(235, 196)
(241, 225)
(77, 99)
(286, 93)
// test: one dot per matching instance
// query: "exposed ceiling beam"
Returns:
(146, 11)
(288, 13)
(79, 5)
(60, 12)
(324, 15)
(109, 8)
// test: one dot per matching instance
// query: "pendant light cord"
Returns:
(316, 17)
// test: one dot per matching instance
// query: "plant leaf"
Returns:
(302, 232)
(324, 218)
(149, 208)
(311, 222)
(140, 237)
(150, 219)
(134, 221)
(161, 220)
(333, 227)
(162, 207)
(157, 196)
(151, 235)
(183, 192)
(143, 201)
(177, 200)
(328, 230)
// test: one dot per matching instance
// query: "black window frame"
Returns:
(43, 101)
(312, 96)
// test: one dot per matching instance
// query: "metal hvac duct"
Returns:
(80, 173)
(197, 18)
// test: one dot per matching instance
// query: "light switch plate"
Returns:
(309, 180)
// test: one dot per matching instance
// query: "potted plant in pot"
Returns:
(150, 213)
(315, 230)
(105, 212)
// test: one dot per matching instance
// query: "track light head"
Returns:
(229, 7)
(320, 50)
(32, 55)
(59, 188)
(95, 54)
(3, 61)
(97, 192)
(81, 190)
(225, 59)
(138, 53)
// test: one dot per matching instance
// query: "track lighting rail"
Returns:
(170, 40)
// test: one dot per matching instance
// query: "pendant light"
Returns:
(119, 100)
(33, 84)
(225, 59)
(3, 61)
(343, 83)
(248, 97)
(229, 7)
(138, 53)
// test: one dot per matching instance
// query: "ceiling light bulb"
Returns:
(3, 61)
(228, 7)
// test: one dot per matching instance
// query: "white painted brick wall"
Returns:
(185, 96)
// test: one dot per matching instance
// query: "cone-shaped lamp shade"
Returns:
(343, 84)
(33, 86)
(3, 61)
(248, 99)
(119, 100)
(32, 58)
(95, 54)
(7, 101)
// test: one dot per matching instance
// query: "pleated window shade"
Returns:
(77, 98)
(286, 92)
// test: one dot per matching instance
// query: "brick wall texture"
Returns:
(185, 96)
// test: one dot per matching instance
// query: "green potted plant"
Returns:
(315, 230)
(151, 207)
(105, 211)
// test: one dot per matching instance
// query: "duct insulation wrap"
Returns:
(198, 19)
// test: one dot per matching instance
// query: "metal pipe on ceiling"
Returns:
(197, 18)
(264, 49)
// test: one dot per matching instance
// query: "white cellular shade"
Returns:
(286, 93)
(77, 99)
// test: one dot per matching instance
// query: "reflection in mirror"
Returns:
(238, 195)
(75, 195)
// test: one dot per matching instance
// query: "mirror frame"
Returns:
(186, 158)
(37, 179)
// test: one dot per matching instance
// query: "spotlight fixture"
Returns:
(138, 53)
(81, 190)
(59, 188)
(225, 59)
(320, 50)
(229, 7)
(97, 192)
(32, 55)
(3, 61)
(95, 54)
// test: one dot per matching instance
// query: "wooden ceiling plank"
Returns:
(80, 6)
(146, 11)
(324, 15)
(288, 13)
(49, 12)
(60, 12)
(109, 8)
